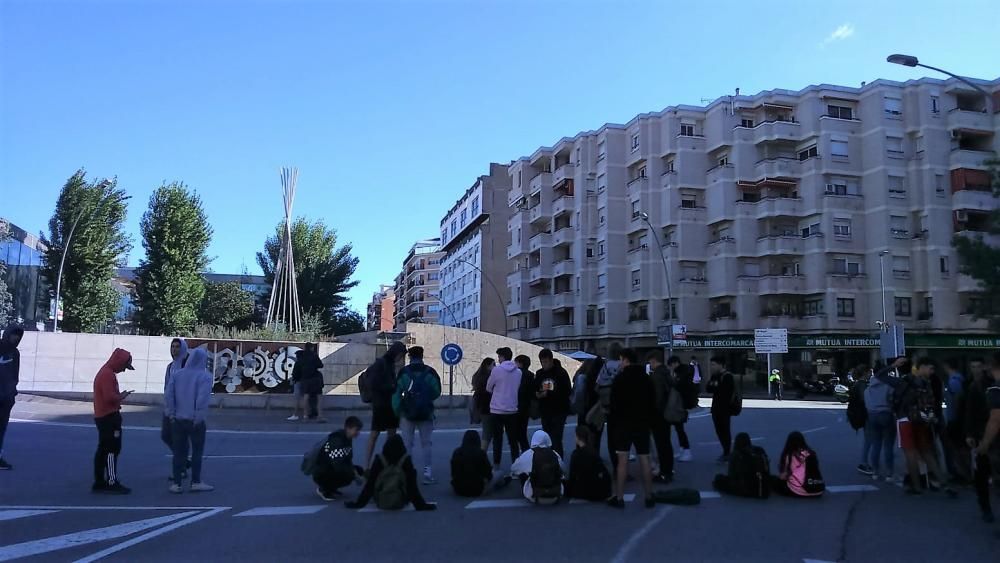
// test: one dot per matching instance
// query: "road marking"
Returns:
(523, 502)
(816, 561)
(75, 539)
(282, 510)
(155, 533)
(107, 507)
(709, 494)
(407, 508)
(850, 488)
(249, 456)
(811, 430)
(15, 514)
(626, 549)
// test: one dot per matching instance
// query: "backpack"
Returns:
(390, 487)
(546, 476)
(311, 458)
(814, 483)
(857, 412)
(736, 401)
(751, 471)
(581, 387)
(366, 383)
(674, 411)
(416, 403)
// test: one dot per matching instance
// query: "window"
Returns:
(919, 145)
(842, 228)
(602, 216)
(638, 311)
(600, 248)
(723, 160)
(433, 276)
(896, 187)
(745, 122)
(688, 202)
(670, 165)
(454, 227)
(687, 130)
(894, 146)
(846, 266)
(601, 149)
(840, 112)
(806, 154)
(578, 156)
(903, 307)
(602, 281)
(601, 317)
(519, 178)
(635, 209)
(669, 309)
(939, 184)
(928, 306)
(444, 235)
(590, 251)
(893, 107)
(943, 264)
(838, 149)
(901, 266)
(475, 206)
(811, 230)
(636, 279)
(813, 307)
(635, 142)
(464, 217)
(845, 308)
(898, 226)
(843, 186)
(935, 104)
(642, 172)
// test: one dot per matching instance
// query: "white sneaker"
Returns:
(201, 488)
(685, 456)
(428, 477)
(677, 454)
(176, 489)
(292, 418)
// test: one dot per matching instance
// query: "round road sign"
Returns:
(451, 354)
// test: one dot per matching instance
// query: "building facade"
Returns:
(774, 210)
(475, 265)
(418, 284)
(381, 309)
(23, 255)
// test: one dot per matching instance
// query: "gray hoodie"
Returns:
(878, 396)
(189, 390)
(174, 366)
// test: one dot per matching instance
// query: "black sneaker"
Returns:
(117, 489)
(865, 469)
(663, 479)
(99, 487)
(4, 466)
(328, 497)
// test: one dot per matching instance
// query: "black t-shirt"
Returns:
(993, 398)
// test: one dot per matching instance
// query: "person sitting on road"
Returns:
(392, 480)
(798, 470)
(335, 466)
(589, 479)
(540, 470)
(749, 471)
(470, 467)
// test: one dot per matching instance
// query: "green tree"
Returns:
(347, 321)
(981, 260)
(6, 301)
(98, 245)
(323, 271)
(169, 284)
(226, 305)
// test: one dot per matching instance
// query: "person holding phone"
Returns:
(107, 416)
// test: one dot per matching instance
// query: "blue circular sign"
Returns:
(451, 354)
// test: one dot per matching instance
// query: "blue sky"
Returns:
(391, 109)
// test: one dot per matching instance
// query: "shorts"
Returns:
(298, 390)
(914, 436)
(384, 418)
(626, 439)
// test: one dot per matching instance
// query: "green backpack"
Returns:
(390, 487)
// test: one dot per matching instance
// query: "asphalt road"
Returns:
(265, 509)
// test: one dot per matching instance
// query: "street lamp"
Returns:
(503, 304)
(881, 270)
(62, 261)
(666, 273)
(911, 61)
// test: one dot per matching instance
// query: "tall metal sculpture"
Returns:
(283, 308)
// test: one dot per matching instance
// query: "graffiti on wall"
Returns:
(248, 366)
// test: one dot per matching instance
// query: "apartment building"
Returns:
(772, 210)
(418, 284)
(382, 309)
(474, 239)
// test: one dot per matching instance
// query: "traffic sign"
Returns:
(770, 340)
(451, 354)
(680, 332)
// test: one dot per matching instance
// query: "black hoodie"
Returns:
(393, 451)
(633, 399)
(383, 375)
(10, 363)
(557, 402)
(470, 468)
(588, 476)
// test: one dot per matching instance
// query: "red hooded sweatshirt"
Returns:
(107, 398)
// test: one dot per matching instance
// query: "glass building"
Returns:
(22, 254)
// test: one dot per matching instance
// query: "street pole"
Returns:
(62, 262)
(769, 375)
(666, 273)
(503, 304)
(451, 385)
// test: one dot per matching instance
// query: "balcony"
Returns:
(516, 308)
(977, 200)
(963, 158)
(772, 284)
(562, 204)
(966, 120)
(563, 300)
(777, 131)
(637, 186)
(563, 236)
(538, 241)
(543, 180)
(781, 167)
(537, 214)
(779, 244)
(563, 268)
(900, 233)
(517, 277)
(774, 207)
(514, 250)
(535, 275)
(564, 172)
(723, 173)
(540, 302)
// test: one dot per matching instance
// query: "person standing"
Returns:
(481, 402)
(957, 455)
(504, 383)
(986, 450)
(187, 398)
(527, 403)
(380, 381)
(663, 383)
(684, 384)
(722, 387)
(631, 417)
(178, 355)
(552, 390)
(775, 380)
(882, 426)
(10, 368)
(308, 374)
(108, 419)
(417, 387)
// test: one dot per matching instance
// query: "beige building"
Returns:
(770, 210)
(417, 284)
(474, 238)
(382, 309)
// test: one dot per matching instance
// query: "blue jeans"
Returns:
(188, 433)
(882, 427)
(866, 447)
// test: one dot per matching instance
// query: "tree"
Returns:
(98, 245)
(347, 321)
(981, 260)
(226, 305)
(169, 284)
(6, 301)
(323, 271)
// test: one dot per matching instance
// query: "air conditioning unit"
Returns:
(961, 216)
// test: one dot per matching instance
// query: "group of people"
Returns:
(953, 416)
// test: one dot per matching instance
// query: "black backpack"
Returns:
(857, 412)
(814, 478)
(366, 383)
(546, 476)
(753, 473)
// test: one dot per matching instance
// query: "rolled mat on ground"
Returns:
(684, 497)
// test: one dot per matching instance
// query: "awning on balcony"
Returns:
(768, 182)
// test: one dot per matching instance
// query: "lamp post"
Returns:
(911, 61)
(503, 305)
(881, 270)
(62, 261)
(666, 273)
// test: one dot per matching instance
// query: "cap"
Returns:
(775, 371)
(129, 365)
